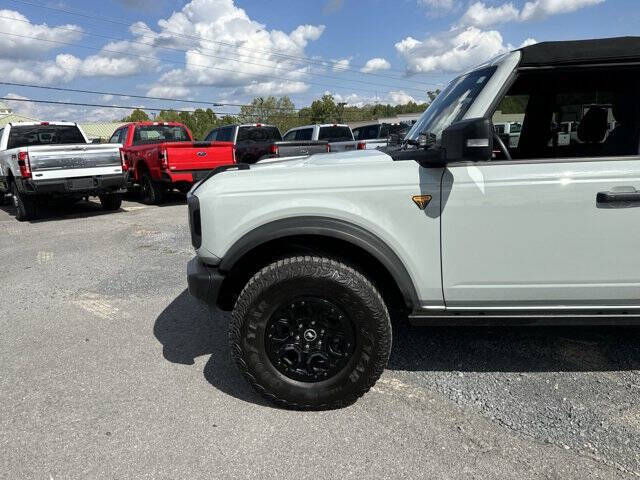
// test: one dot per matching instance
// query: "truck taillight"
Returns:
(164, 159)
(362, 146)
(328, 148)
(233, 153)
(25, 164)
(123, 161)
(275, 150)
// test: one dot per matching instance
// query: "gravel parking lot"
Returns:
(109, 369)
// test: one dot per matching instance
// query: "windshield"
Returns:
(451, 104)
(335, 134)
(32, 135)
(159, 134)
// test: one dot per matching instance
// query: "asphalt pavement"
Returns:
(109, 369)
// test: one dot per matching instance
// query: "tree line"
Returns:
(281, 112)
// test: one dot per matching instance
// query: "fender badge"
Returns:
(421, 201)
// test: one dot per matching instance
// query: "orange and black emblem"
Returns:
(421, 201)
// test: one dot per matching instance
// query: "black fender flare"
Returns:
(327, 227)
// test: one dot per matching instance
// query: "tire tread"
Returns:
(313, 267)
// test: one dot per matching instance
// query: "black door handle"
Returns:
(618, 197)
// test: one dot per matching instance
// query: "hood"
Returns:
(318, 159)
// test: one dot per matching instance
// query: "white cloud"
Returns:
(479, 14)
(168, 92)
(375, 64)
(222, 21)
(391, 98)
(341, 65)
(273, 88)
(52, 112)
(333, 6)
(13, 23)
(538, 9)
(452, 51)
(527, 42)
(439, 4)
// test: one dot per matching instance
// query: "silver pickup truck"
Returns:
(39, 161)
(340, 137)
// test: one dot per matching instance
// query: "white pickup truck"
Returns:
(340, 137)
(39, 161)
(453, 227)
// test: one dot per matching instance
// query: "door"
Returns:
(556, 225)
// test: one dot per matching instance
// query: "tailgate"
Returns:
(198, 155)
(66, 161)
(293, 149)
(343, 146)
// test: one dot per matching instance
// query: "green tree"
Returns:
(280, 112)
(137, 116)
(324, 110)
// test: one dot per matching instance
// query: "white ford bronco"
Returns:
(315, 256)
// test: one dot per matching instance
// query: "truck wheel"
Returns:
(150, 192)
(310, 333)
(25, 206)
(110, 202)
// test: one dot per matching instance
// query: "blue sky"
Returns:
(233, 50)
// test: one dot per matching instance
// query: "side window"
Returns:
(224, 134)
(290, 136)
(384, 131)
(304, 134)
(571, 114)
(117, 136)
(212, 136)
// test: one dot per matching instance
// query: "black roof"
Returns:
(602, 50)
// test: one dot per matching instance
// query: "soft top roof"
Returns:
(603, 50)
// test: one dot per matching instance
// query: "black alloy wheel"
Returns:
(310, 339)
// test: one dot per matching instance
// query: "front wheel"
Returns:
(110, 202)
(25, 206)
(310, 333)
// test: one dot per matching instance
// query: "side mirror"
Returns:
(470, 140)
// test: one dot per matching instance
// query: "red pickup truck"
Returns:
(160, 156)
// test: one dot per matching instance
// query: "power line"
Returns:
(174, 34)
(148, 57)
(273, 67)
(122, 107)
(126, 95)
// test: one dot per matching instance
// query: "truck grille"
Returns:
(194, 221)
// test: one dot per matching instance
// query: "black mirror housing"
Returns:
(468, 140)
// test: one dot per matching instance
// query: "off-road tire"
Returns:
(151, 193)
(306, 276)
(25, 206)
(110, 202)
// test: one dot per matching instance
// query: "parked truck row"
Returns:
(42, 161)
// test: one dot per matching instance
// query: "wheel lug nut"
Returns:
(297, 337)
